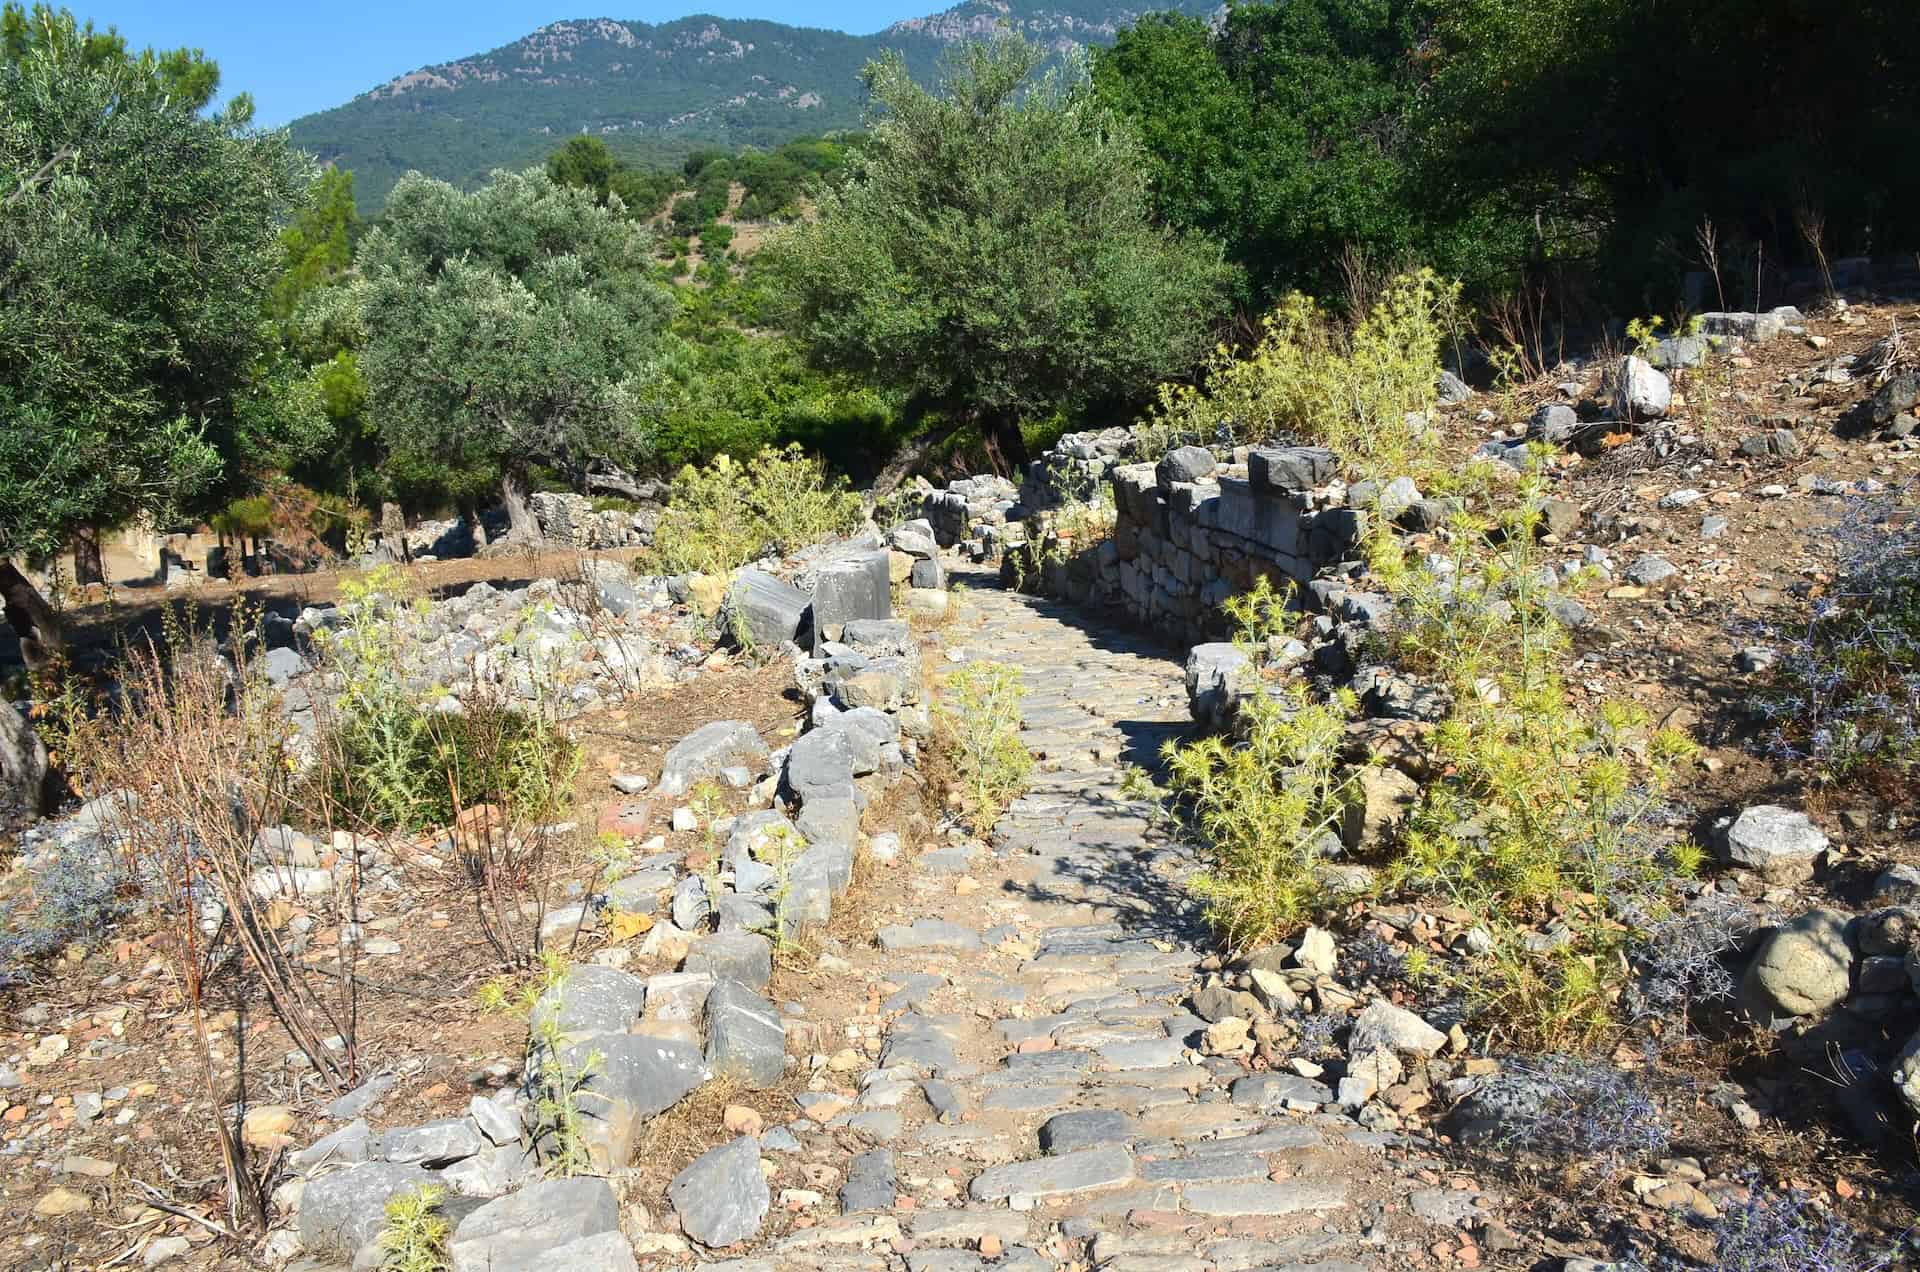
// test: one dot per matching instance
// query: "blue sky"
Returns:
(298, 58)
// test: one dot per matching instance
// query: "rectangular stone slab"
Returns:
(1287, 1198)
(1062, 1176)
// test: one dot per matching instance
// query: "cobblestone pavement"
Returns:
(1039, 1100)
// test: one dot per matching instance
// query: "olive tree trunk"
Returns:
(522, 525)
(42, 637)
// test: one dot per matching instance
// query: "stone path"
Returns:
(1036, 1101)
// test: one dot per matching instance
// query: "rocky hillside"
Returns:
(654, 90)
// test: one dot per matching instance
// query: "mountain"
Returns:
(657, 92)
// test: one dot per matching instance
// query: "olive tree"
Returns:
(138, 241)
(513, 326)
(991, 254)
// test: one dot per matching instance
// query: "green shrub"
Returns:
(405, 770)
(1263, 811)
(414, 1238)
(1539, 807)
(726, 514)
(1313, 379)
(387, 759)
(978, 729)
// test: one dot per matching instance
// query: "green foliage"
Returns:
(509, 327)
(560, 1121)
(392, 761)
(586, 163)
(989, 252)
(414, 1237)
(43, 32)
(1280, 131)
(1310, 377)
(1541, 805)
(726, 514)
(1630, 174)
(137, 247)
(729, 385)
(977, 725)
(317, 247)
(1264, 810)
(1307, 133)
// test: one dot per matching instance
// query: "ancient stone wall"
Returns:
(1189, 533)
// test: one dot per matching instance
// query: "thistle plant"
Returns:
(1845, 696)
(978, 725)
(414, 1237)
(1263, 811)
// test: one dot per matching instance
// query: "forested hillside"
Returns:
(655, 92)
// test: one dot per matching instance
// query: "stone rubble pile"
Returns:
(630, 1047)
(571, 645)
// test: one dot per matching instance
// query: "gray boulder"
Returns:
(444, 1140)
(1383, 1026)
(691, 905)
(1650, 570)
(1639, 391)
(1803, 968)
(829, 820)
(764, 611)
(738, 957)
(1291, 469)
(928, 574)
(522, 1232)
(1451, 389)
(850, 590)
(915, 541)
(493, 1173)
(1747, 326)
(820, 764)
(722, 1197)
(283, 665)
(1216, 674)
(744, 1035)
(628, 1078)
(1679, 351)
(342, 1211)
(879, 638)
(703, 753)
(1779, 842)
(883, 684)
(1554, 422)
(1906, 1074)
(590, 999)
(1185, 464)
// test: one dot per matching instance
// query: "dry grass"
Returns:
(674, 1138)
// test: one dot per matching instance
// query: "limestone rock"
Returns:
(526, 1230)
(766, 612)
(1383, 1026)
(708, 749)
(1802, 969)
(722, 1197)
(1639, 391)
(343, 1210)
(1779, 842)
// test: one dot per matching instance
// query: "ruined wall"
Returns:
(1190, 533)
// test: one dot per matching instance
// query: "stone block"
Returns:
(766, 612)
(850, 590)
